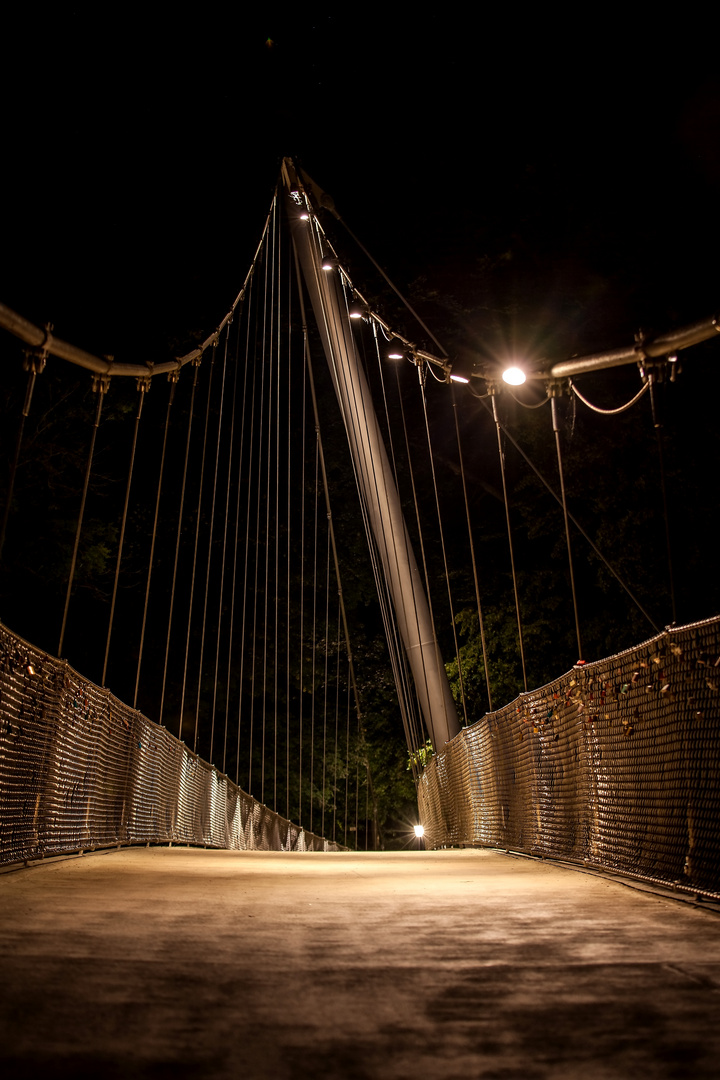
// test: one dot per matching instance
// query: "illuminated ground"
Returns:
(176, 962)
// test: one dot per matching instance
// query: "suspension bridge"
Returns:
(196, 650)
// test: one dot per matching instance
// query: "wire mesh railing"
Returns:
(81, 770)
(615, 765)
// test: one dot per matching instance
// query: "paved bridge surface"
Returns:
(185, 962)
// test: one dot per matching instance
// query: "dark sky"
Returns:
(557, 179)
(532, 183)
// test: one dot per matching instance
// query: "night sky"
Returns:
(557, 179)
(536, 186)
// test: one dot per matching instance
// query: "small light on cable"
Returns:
(356, 309)
(513, 376)
(419, 830)
(396, 351)
(459, 378)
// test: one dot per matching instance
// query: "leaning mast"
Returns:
(374, 473)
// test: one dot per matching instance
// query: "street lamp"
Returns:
(514, 376)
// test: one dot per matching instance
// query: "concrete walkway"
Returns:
(178, 962)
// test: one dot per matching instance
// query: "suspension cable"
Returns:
(316, 489)
(337, 719)
(221, 591)
(389, 282)
(289, 547)
(657, 424)
(261, 435)
(442, 543)
(306, 358)
(143, 385)
(172, 379)
(35, 361)
(236, 532)
(510, 543)
(367, 804)
(347, 764)
(556, 430)
(327, 676)
(251, 444)
(357, 797)
(278, 349)
(100, 387)
(481, 621)
(178, 535)
(528, 461)
(209, 547)
(197, 536)
(271, 346)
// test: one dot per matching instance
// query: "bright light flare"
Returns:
(419, 830)
(459, 378)
(514, 376)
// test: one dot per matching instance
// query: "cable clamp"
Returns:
(100, 384)
(556, 387)
(35, 358)
(640, 339)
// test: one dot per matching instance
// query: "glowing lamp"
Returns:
(459, 378)
(396, 351)
(419, 830)
(513, 376)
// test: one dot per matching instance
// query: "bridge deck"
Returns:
(444, 964)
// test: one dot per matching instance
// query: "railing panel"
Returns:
(616, 764)
(81, 770)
